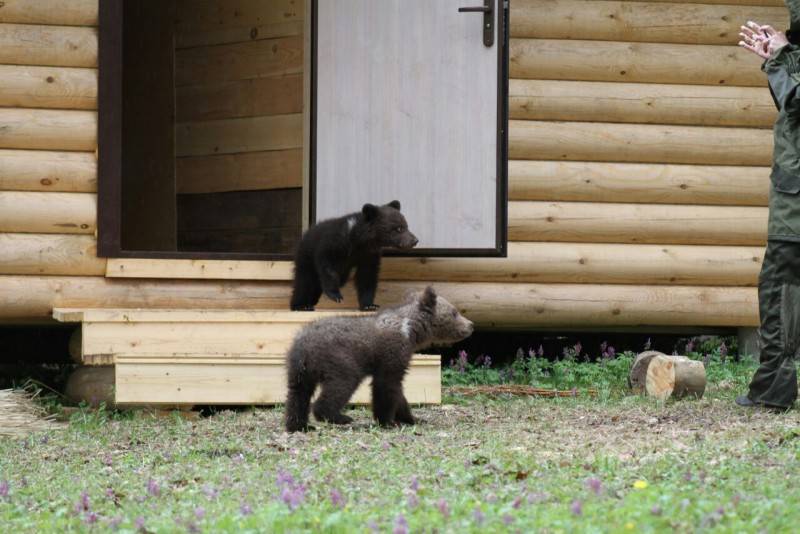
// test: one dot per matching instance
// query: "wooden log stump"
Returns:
(638, 374)
(93, 385)
(675, 377)
(76, 345)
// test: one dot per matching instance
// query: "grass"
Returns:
(613, 464)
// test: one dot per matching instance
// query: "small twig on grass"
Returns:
(518, 389)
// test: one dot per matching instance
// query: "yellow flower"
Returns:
(640, 484)
(629, 525)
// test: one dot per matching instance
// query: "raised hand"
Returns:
(762, 40)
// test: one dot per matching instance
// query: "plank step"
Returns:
(212, 356)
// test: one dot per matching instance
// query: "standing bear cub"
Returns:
(338, 352)
(331, 249)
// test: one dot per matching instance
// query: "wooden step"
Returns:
(212, 356)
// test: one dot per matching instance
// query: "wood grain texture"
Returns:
(208, 22)
(552, 59)
(698, 105)
(247, 171)
(50, 254)
(229, 136)
(241, 382)
(770, 3)
(48, 87)
(591, 263)
(644, 143)
(637, 223)
(239, 61)
(200, 269)
(32, 299)
(56, 46)
(639, 21)
(48, 213)
(42, 170)
(638, 182)
(57, 12)
(47, 129)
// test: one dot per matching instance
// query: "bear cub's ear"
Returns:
(394, 204)
(428, 299)
(370, 211)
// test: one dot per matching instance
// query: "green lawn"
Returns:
(611, 464)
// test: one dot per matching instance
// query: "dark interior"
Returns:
(211, 148)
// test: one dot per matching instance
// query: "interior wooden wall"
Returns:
(638, 173)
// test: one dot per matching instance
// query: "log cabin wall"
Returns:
(239, 124)
(639, 147)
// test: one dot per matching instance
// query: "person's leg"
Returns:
(775, 381)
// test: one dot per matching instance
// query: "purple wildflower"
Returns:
(90, 518)
(577, 507)
(293, 496)
(478, 516)
(508, 519)
(655, 510)
(595, 485)
(153, 488)
(83, 503)
(373, 526)
(461, 363)
(385, 446)
(337, 499)
(400, 525)
(487, 361)
(412, 500)
(245, 509)
(4, 489)
(444, 509)
(723, 351)
(540, 352)
(414, 486)
(139, 523)
(199, 512)
(690, 346)
(211, 492)
(578, 348)
(612, 352)
(115, 522)
(284, 478)
(517, 503)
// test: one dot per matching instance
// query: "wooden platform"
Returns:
(211, 356)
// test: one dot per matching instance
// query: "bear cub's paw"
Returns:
(335, 296)
(369, 307)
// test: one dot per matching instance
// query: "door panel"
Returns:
(407, 108)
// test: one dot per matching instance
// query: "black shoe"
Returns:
(747, 402)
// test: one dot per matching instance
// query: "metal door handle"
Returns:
(488, 19)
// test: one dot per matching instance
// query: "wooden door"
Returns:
(410, 104)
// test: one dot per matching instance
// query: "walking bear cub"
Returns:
(331, 249)
(338, 352)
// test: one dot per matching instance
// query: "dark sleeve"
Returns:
(782, 73)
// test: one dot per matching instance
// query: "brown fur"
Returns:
(337, 353)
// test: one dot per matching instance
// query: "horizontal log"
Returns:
(698, 105)
(242, 98)
(771, 3)
(637, 223)
(41, 170)
(239, 61)
(230, 136)
(591, 263)
(32, 298)
(550, 59)
(48, 87)
(48, 129)
(54, 46)
(208, 22)
(639, 21)
(250, 171)
(643, 143)
(50, 254)
(48, 213)
(59, 12)
(638, 182)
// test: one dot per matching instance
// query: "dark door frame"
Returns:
(110, 149)
(501, 236)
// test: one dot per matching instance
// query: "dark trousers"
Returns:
(775, 381)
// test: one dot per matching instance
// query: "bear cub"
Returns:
(338, 352)
(330, 250)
